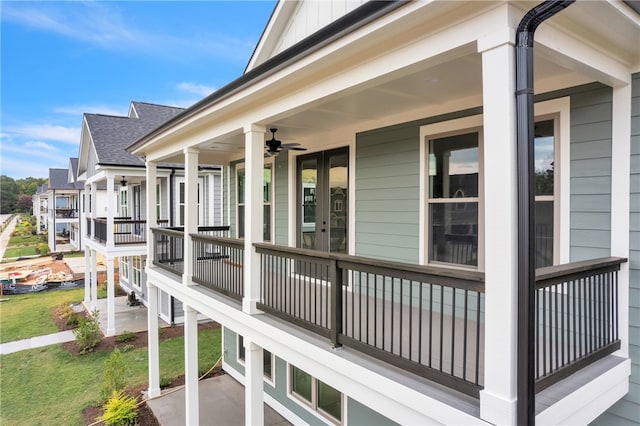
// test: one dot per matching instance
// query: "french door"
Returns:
(322, 196)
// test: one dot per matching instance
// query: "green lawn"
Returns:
(51, 386)
(12, 252)
(23, 240)
(28, 315)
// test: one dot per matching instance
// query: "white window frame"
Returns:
(312, 406)
(123, 201)
(136, 279)
(124, 267)
(180, 180)
(558, 109)
(268, 163)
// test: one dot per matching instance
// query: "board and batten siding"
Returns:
(280, 200)
(387, 206)
(590, 171)
(627, 410)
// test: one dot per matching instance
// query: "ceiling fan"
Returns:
(274, 146)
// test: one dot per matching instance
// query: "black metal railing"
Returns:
(218, 263)
(125, 231)
(169, 249)
(576, 317)
(426, 320)
(66, 213)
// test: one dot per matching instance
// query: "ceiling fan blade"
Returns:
(291, 144)
(295, 148)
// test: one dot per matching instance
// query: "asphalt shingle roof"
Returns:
(112, 134)
(58, 179)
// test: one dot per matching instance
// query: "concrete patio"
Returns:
(127, 318)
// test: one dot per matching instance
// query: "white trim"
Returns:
(268, 162)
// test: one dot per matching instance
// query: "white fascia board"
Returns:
(588, 402)
(402, 403)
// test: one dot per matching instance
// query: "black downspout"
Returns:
(526, 206)
(171, 217)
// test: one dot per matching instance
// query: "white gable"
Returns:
(292, 21)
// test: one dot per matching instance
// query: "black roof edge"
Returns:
(350, 22)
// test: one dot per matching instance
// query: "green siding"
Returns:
(590, 171)
(627, 411)
(361, 415)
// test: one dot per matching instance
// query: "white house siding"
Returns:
(91, 162)
(310, 16)
(355, 413)
(627, 410)
(217, 199)
(281, 200)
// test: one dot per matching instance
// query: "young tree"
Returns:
(24, 203)
(8, 194)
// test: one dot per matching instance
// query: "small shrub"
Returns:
(88, 333)
(115, 370)
(64, 310)
(127, 348)
(74, 320)
(120, 409)
(126, 336)
(43, 248)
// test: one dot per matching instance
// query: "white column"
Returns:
(253, 386)
(192, 399)
(190, 210)
(153, 341)
(111, 210)
(87, 276)
(94, 207)
(94, 278)
(498, 398)
(253, 211)
(152, 214)
(111, 297)
(620, 189)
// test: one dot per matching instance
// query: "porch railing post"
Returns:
(335, 279)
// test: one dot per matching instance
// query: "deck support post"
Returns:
(87, 277)
(254, 403)
(94, 278)
(192, 398)
(111, 297)
(153, 341)
(190, 210)
(152, 214)
(498, 398)
(253, 213)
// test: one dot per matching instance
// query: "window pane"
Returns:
(301, 383)
(544, 157)
(240, 221)
(453, 166)
(241, 348)
(267, 184)
(266, 224)
(266, 356)
(241, 186)
(329, 400)
(454, 233)
(544, 233)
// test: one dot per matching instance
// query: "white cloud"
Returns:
(195, 88)
(47, 132)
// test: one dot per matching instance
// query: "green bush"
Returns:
(74, 320)
(43, 248)
(126, 336)
(120, 409)
(88, 333)
(165, 381)
(114, 377)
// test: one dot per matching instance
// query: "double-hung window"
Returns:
(544, 149)
(267, 191)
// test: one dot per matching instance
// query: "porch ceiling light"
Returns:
(123, 182)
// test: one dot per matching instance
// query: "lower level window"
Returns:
(319, 395)
(137, 270)
(124, 267)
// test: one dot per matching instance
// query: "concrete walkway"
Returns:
(36, 342)
(6, 235)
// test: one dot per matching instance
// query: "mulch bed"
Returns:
(145, 415)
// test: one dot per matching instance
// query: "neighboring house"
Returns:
(372, 278)
(63, 200)
(40, 203)
(116, 231)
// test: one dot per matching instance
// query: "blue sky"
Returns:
(61, 59)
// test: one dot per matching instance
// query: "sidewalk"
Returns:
(6, 235)
(36, 342)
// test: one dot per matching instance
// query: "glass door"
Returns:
(323, 180)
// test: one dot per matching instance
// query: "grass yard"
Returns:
(51, 386)
(28, 315)
(12, 252)
(24, 240)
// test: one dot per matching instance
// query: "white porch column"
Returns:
(111, 210)
(93, 207)
(192, 398)
(153, 341)
(94, 278)
(498, 398)
(87, 276)
(152, 214)
(111, 297)
(190, 210)
(253, 213)
(253, 385)
(620, 189)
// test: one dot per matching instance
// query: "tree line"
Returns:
(15, 195)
